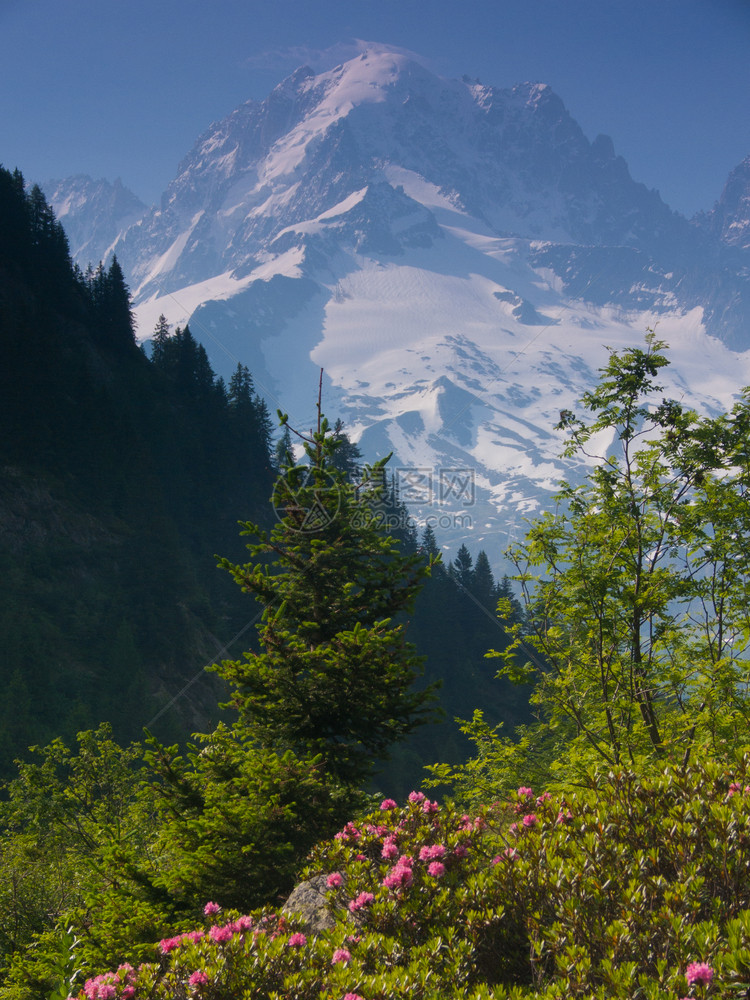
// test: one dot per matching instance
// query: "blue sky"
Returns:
(123, 89)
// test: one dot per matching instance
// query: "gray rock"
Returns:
(309, 901)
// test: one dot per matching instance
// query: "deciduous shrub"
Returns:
(629, 888)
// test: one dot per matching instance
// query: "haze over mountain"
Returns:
(455, 257)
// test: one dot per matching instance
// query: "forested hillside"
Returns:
(122, 477)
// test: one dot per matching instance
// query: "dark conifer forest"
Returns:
(122, 477)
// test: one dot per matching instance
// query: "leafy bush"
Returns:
(628, 888)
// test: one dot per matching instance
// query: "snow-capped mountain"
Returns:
(730, 218)
(454, 256)
(94, 214)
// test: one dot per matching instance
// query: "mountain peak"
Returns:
(730, 219)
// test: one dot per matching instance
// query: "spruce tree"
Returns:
(461, 568)
(335, 673)
(159, 340)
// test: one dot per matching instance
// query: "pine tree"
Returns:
(428, 543)
(284, 450)
(159, 340)
(461, 568)
(109, 300)
(483, 582)
(347, 457)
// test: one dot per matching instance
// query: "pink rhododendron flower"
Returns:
(436, 869)
(390, 848)
(530, 820)
(388, 804)
(221, 934)
(334, 880)
(198, 978)
(460, 851)
(350, 832)
(169, 944)
(296, 940)
(431, 851)
(699, 972)
(400, 876)
(429, 807)
(417, 796)
(211, 908)
(352, 996)
(100, 987)
(341, 955)
(525, 793)
(363, 899)
(544, 797)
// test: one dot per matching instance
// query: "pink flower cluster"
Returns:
(525, 798)
(699, 972)
(400, 876)
(109, 985)
(198, 978)
(334, 880)
(350, 832)
(388, 804)
(362, 900)
(102, 987)
(390, 848)
(341, 955)
(219, 933)
(296, 940)
(169, 944)
(211, 909)
(430, 851)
